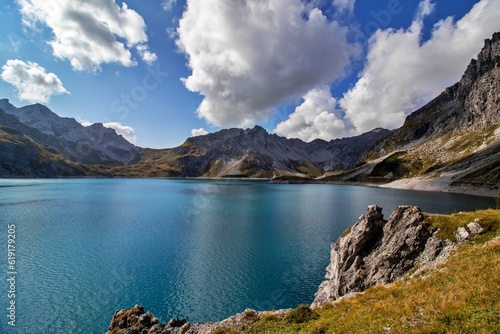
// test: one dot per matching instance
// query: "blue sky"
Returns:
(160, 71)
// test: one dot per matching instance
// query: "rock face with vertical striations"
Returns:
(375, 251)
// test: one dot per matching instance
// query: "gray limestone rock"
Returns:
(475, 228)
(470, 231)
(134, 320)
(375, 251)
(462, 234)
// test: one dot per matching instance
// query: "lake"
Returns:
(198, 249)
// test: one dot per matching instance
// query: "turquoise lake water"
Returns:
(198, 249)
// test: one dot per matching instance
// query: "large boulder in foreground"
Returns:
(375, 251)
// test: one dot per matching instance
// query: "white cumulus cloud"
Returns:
(425, 7)
(344, 5)
(125, 131)
(198, 132)
(84, 122)
(247, 57)
(402, 73)
(168, 5)
(32, 82)
(146, 55)
(317, 117)
(90, 33)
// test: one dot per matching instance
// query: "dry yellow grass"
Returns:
(462, 296)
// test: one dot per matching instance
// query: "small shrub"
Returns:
(301, 314)
(450, 318)
(319, 329)
(269, 316)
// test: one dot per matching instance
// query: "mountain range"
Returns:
(453, 141)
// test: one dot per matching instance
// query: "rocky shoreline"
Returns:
(415, 183)
(441, 185)
(374, 251)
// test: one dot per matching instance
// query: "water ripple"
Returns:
(202, 250)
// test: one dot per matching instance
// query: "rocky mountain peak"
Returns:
(257, 130)
(479, 88)
(487, 59)
(111, 146)
(5, 105)
(472, 104)
(256, 153)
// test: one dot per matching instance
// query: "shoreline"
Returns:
(440, 185)
(416, 183)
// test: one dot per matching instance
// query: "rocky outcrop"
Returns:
(375, 251)
(136, 321)
(469, 231)
(132, 320)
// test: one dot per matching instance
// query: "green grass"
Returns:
(301, 315)
(404, 164)
(448, 224)
(472, 140)
(462, 296)
(224, 331)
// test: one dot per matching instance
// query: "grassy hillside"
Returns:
(22, 156)
(462, 296)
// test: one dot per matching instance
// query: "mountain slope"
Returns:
(26, 152)
(103, 143)
(227, 153)
(80, 153)
(453, 140)
(252, 153)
